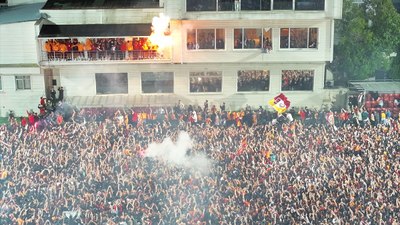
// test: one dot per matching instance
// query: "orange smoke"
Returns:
(160, 35)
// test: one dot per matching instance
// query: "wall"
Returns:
(181, 54)
(102, 16)
(18, 43)
(19, 2)
(83, 75)
(20, 100)
(177, 9)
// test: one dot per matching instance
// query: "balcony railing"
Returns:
(71, 56)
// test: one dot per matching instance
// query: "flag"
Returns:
(280, 103)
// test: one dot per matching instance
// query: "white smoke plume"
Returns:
(176, 154)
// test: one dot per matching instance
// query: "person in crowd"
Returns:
(88, 166)
(60, 94)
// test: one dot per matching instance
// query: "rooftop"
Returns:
(20, 13)
(100, 4)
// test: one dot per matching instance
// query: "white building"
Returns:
(238, 52)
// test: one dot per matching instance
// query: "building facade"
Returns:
(237, 52)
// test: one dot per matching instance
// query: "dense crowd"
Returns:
(297, 80)
(100, 49)
(89, 166)
(209, 82)
(253, 80)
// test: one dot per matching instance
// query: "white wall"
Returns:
(20, 100)
(19, 2)
(18, 43)
(80, 81)
(321, 54)
(102, 16)
(177, 9)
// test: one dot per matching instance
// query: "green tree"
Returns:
(394, 71)
(368, 34)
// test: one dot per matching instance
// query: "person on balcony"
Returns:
(56, 48)
(63, 50)
(88, 49)
(129, 47)
(47, 47)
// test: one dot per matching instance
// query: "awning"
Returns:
(381, 87)
(155, 100)
(95, 30)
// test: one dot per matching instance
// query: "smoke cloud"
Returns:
(176, 154)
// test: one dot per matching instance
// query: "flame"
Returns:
(160, 35)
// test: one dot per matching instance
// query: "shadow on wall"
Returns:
(234, 102)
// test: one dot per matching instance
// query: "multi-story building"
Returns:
(234, 51)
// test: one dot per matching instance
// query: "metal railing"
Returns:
(96, 55)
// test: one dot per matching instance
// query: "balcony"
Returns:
(99, 43)
(117, 56)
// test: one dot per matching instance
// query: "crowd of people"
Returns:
(89, 166)
(100, 49)
(209, 82)
(297, 80)
(253, 80)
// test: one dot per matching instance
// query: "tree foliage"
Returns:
(368, 34)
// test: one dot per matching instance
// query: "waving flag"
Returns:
(280, 103)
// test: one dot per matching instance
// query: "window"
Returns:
(253, 80)
(111, 83)
(205, 81)
(23, 82)
(310, 4)
(256, 5)
(205, 39)
(283, 4)
(200, 5)
(157, 82)
(299, 38)
(251, 38)
(297, 80)
(226, 5)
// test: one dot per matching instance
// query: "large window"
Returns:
(256, 5)
(299, 38)
(210, 81)
(23, 82)
(205, 39)
(111, 83)
(233, 5)
(253, 80)
(283, 4)
(310, 5)
(252, 38)
(297, 80)
(201, 5)
(157, 82)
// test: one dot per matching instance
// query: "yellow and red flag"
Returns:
(280, 103)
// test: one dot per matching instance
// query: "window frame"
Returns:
(262, 30)
(24, 79)
(105, 74)
(1, 84)
(289, 37)
(155, 73)
(206, 75)
(312, 71)
(258, 91)
(197, 46)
